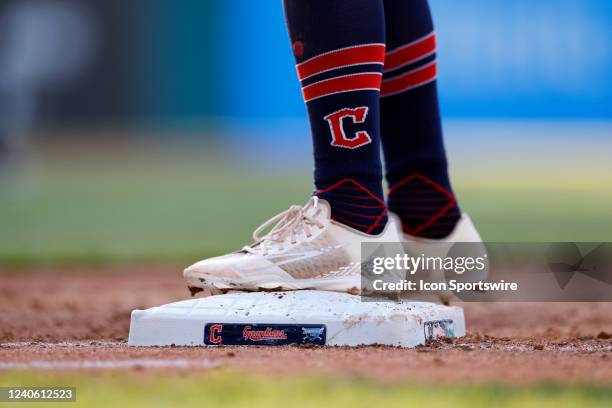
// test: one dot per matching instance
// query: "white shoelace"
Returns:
(290, 223)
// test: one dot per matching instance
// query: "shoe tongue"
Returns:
(322, 207)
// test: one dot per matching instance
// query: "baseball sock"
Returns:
(415, 160)
(339, 50)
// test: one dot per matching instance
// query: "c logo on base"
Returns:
(215, 333)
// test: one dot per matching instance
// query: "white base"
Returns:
(349, 320)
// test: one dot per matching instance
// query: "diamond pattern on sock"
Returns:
(426, 208)
(354, 205)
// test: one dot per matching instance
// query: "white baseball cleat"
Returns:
(305, 249)
(464, 231)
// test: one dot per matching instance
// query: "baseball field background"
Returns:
(138, 137)
(180, 198)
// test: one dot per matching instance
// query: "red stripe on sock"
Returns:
(363, 206)
(351, 196)
(418, 208)
(420, 199)
(348, 222)
(409, 80)
(410, 53)
(354, 213)
(342, 183)
(357, 55)
(348, 83)
(354, 182)
(427, 216)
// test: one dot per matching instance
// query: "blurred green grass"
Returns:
(232, 390)
(177, 203)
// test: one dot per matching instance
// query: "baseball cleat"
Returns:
(304, 249)
(464, 231)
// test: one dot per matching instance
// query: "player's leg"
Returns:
(415, 160)
(339, 51)
(339, 48)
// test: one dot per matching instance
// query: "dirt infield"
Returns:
(79, 318)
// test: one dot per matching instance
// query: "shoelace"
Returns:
(290, 222)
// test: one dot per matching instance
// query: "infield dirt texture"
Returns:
(78, 315)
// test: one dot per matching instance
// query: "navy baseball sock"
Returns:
(415, 160)
(339, 50)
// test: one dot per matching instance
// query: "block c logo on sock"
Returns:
(339, 138)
